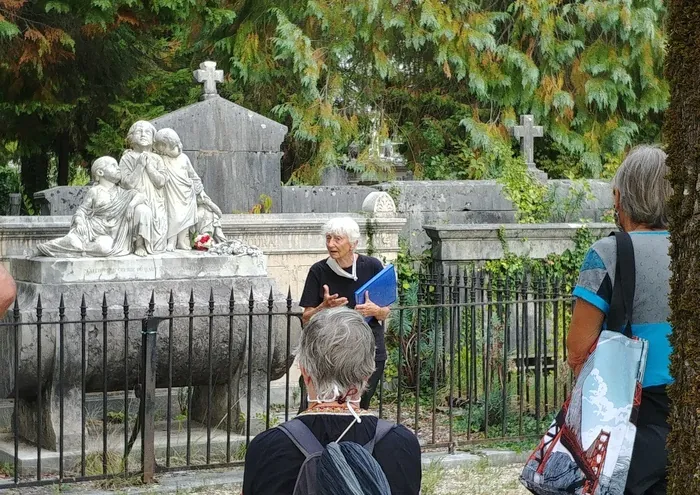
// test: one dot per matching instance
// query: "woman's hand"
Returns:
(368, 308)
(332, 300)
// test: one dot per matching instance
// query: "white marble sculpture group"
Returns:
(149, 202)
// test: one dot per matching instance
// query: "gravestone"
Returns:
(334, 176)
(235, 151)
(526, 133)
(109, 257)
(61, 200)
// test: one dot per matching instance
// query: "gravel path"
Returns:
(437, 480)
(479, 479)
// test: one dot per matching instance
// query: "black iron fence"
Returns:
(110, 390)
(477, 358)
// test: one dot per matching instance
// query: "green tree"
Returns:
(66, 65)
(683, 72)
(448, 76)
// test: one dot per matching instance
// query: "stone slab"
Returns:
(324, 199)
(334, 176)
(466, 243)
(292, 242)
(27, 454)
(441, 195)
(236, 180)
(179, 265)
(217, 124)
(497, 457)
(61, 200)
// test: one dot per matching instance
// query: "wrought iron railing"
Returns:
(103, 392)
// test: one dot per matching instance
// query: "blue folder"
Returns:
(381, 287)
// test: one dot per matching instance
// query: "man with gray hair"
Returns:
(332, 282)
(336, 357)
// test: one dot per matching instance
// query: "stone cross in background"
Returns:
(208, 75)
(526, 133)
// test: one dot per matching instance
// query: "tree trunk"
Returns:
(63, 155)
(35, 169)
(682, 130)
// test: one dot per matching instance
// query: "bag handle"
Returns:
(620, 315)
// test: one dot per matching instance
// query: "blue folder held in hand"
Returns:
(381, 287)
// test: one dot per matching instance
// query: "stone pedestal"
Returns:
(204, 349)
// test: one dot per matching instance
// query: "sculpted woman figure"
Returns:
(144, 171)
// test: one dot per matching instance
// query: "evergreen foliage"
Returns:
(444, 77)
(448, 77)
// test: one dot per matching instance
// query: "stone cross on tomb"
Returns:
(208, 75)
(526, 132)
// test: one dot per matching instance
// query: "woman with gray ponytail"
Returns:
(641, 191)
(334, 446)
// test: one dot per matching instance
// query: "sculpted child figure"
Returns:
(111, 221)
(208, 218)
(144, 171)
(182, 187)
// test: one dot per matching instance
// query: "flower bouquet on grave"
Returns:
(203, 242)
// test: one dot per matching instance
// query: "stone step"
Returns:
(115, 402)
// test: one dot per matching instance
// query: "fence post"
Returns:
(149, 333)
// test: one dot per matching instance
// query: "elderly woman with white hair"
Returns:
(336, 357)
(332, 282)
(641, 191)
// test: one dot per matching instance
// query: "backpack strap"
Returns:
(383, 427)
(620, 315)
(302, 437)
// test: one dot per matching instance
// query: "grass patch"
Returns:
(432, 476)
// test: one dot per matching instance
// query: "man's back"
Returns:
(273, 461)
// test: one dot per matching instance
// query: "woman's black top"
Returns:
(320, 274)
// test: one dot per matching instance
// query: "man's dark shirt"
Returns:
(272, 461)
(320, 274)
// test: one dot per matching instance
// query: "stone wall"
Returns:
(324, 199)
(419, 202)
(292, 242)
(456, 245)
(474, 202)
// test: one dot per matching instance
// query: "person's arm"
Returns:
(311, 300)
(138, 199)
(586, 322)
(399, 455)
(329, 301)
(157, 176)
(8, 290)
(196, 181)
(593, 293)
(129, 178)
(368, 308)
